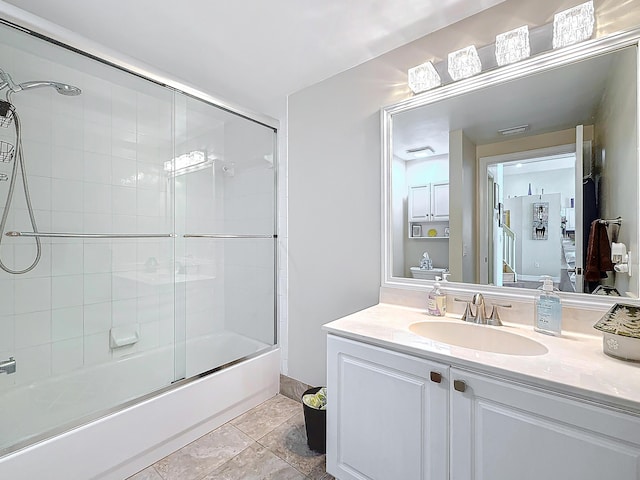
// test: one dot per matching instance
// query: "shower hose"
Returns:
(19, 161)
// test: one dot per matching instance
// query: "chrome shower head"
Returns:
(61, 88)
(64, 89)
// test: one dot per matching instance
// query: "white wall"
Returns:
(556, 181)
(617, 143)
(334, 165)
(399, 209)
(462, 182)
(536, 257)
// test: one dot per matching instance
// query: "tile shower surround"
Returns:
(89, 170)
(95, 163)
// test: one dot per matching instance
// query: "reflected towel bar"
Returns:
(223, 235)
(613, 221)
(90, 235)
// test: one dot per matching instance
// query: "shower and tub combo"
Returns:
(138, 256)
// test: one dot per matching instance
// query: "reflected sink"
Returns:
(478, 337)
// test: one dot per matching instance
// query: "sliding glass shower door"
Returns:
(225, 224)
(139, 239)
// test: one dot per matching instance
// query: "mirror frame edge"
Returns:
(542, 62)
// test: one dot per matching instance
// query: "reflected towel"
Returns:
(598, 253)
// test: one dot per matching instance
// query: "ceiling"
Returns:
(549, 101)
(253, 52)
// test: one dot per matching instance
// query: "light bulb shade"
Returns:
(573, 25)
(423, 77)
(464, 63)
(513, 46)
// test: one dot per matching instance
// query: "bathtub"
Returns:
(120, 443)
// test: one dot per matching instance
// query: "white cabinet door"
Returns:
(508, 431)
(386, 418)
(420, 203)
(440, 202)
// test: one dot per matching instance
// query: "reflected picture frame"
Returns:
(416, 230)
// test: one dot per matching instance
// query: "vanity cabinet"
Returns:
(429, 203)
(388, 419)
(502, 430)
(395, 416)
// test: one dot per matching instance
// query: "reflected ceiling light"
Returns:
(512, 46)
(573, 25)
(514, 130)
(188, 162)
(464, 63)
(421, 152)
(423, 77)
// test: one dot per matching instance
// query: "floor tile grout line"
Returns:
(267, 433)
(228, 461)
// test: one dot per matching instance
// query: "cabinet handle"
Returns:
(436, 377)
(459, 385)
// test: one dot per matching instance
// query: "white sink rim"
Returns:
(478, 337)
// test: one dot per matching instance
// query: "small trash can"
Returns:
(315, 422)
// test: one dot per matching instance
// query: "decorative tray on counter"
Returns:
(621, 329)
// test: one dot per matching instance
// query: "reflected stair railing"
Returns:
(509, 252)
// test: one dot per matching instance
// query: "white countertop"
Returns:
(574, 363)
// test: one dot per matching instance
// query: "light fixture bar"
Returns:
(423, 77)
(513, 46)
(573, 25)
(464, 63)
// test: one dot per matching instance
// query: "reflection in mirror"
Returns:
(506, 183)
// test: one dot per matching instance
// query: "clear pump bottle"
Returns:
(437, 300)
(548, 309)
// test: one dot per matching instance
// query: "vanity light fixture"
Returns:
(421, 152)
(513, 130)
(573, 25)
(423, 77)
(513, 46)
(464, 63)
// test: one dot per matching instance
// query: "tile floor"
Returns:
(268, 442)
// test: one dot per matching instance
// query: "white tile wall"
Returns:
(87, 157)
(96, 164)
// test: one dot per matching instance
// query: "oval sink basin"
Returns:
(478, 337)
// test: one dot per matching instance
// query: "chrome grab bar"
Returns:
(224, 235)
(89, 235)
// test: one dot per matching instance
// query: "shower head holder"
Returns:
(6, 152)
(7, 111)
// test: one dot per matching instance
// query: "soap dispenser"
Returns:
(437, 300)
(548, 309)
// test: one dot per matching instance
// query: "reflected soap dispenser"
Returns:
(437, 300)
(548, 309)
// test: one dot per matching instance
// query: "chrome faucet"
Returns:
(480, 315)
(8, 366)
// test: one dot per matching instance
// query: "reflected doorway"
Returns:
(531, 213)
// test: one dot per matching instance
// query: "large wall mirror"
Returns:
(523, 172)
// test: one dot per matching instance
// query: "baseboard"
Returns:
(292, 388)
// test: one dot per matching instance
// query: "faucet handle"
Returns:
(468, 315)
(494, 319)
